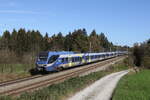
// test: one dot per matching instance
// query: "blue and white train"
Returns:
(54, 61)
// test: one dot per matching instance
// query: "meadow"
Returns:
(134, 87)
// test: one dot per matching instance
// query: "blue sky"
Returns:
(123, 21)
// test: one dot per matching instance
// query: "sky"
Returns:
(124, 22)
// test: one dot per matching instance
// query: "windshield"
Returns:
(53, 58)
(43, 56)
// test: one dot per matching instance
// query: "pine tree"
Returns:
(21, 42)
(95, 43)
(80, 40)
(46, 45)
(68, 42)
(14, 40)
(6, 40)
(60, 42)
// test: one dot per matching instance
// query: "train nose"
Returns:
(40, 67)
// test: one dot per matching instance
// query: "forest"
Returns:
(23, 45)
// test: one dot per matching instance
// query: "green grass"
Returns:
(134, 87)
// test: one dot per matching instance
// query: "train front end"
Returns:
(41, 61)
(46, 61)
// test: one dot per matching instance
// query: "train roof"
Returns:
(56, 53)
(61, 53)
(70, 53)
(85, 54)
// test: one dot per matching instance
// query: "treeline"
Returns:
(141, 54)
(27, 43)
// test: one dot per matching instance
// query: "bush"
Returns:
(146, 62)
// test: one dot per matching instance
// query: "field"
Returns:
(63, 90)
(134, 87)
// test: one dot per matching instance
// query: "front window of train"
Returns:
(53, 58)
(43, 56)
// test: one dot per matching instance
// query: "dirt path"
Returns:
(101, 89)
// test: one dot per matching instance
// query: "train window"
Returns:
(96, 56)
(66, 59)
(53, 58)
(80, 59)
(93, 57)
(63, 59)
(43, 56)
(73, 59)
(86, 57)
(76, 59)
(69, 59)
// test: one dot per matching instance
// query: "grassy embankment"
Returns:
(14, 71)
(65, 89)
(134, 87)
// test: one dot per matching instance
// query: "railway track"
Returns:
(20, 86)
(5, 83)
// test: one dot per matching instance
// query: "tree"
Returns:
(80, 41)
(38, 41)
(60, 42)
(21, 42)
(6, 40)
(68, 42)
(138, 54)
(95, 42)
(14, 40)
(46, 45)
(104, 42)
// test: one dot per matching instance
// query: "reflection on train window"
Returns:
(53, 58)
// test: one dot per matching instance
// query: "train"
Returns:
(55, 61)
